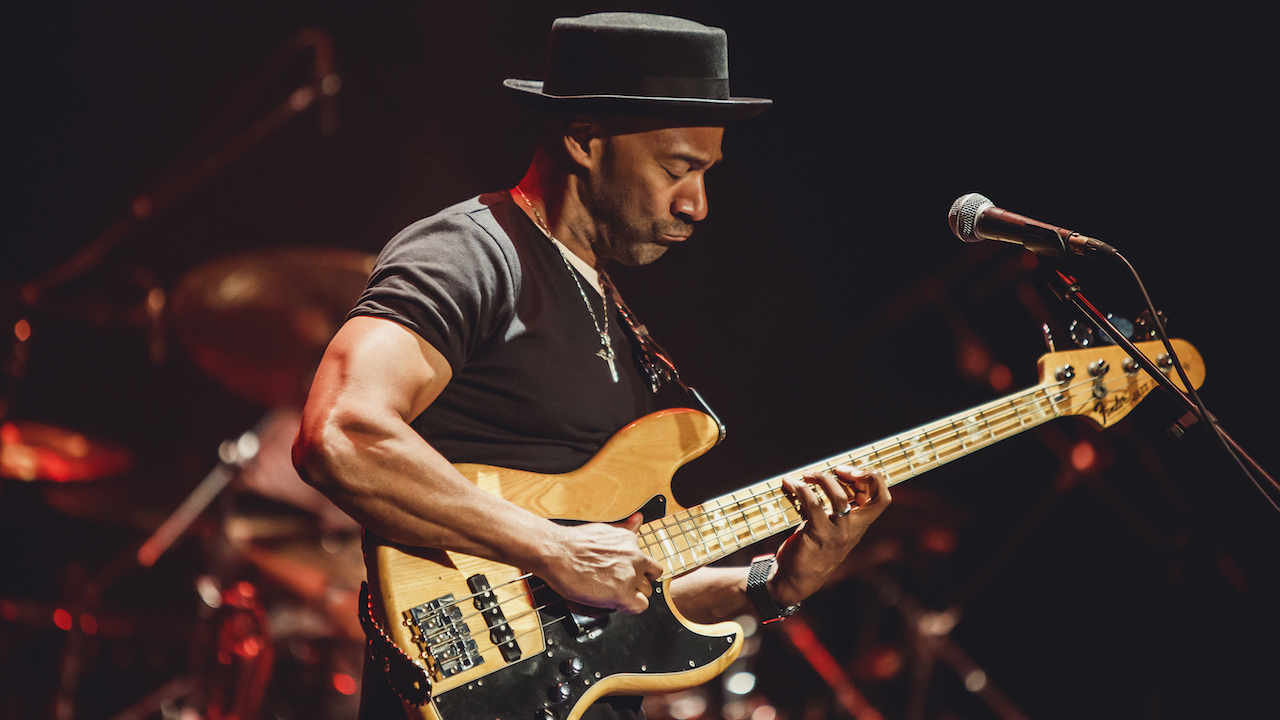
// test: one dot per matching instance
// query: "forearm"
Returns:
(395, 484)
(712, 594)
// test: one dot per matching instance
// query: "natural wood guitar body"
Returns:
(495, 643)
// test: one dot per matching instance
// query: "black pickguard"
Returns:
(549, 685)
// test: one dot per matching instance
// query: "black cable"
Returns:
(1205, 415)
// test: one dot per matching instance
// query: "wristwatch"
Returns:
(766, 607)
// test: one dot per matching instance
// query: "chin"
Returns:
(644, 255)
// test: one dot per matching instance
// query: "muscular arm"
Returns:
(357, 447)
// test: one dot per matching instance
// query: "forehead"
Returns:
(696, 143)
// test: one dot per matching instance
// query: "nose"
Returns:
(690, 201)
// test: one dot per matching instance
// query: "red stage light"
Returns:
(1083, 456)
(344, 684)
(62, 619)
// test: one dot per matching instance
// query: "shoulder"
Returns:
(475, 235)
(453, 278)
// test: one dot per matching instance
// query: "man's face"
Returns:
(648, 189)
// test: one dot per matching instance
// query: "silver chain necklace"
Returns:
(606, 345)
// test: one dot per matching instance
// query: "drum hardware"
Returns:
(258, 322)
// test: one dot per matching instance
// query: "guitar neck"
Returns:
(688, 539)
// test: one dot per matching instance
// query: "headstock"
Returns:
(1103, 383)
(1142, 328)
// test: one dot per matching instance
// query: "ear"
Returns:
(582, 137)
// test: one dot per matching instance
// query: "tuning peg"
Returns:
(1085, 336)
(1081, 334)
(1145, 327)
(1048, 336)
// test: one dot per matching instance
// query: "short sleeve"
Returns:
(447, 279)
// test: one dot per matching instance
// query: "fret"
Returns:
(950, 447)
(771, 510)
(754, 510)
(1044, 406)
(723, 525)
(991, 431)
(676, 539)
(1017, 413)
(971, 433)
(706, 524)
(682, 521)
(734, 519)
(937, 459)
(669, 551)
(647, 546)
(907, 453)
(882, 468)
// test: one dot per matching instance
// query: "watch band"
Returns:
(766, 607)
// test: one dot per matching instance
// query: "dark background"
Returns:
(823, 305)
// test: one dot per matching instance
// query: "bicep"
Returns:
(376, 368)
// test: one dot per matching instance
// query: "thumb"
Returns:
(633, 523)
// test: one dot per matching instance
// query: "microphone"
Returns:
(974, 218)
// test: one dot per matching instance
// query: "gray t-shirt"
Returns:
(480, 283)
(485, 287)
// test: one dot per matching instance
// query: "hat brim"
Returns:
(530, 94)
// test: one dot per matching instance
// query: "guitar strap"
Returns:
(406, 677)
(656, 362)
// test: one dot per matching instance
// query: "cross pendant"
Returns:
(607, 356)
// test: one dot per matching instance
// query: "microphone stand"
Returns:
(1067, 288)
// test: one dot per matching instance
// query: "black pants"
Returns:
(379, 702)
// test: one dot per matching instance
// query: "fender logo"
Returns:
(1106, 407)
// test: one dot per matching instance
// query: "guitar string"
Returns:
(772, 494)
(997, 422)
(1001, 415)
(828, 464)
(481, 612)
(991, 420)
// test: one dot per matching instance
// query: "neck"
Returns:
(551, 199)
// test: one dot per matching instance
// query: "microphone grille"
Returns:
(963, 215)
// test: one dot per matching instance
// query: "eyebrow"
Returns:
(697, 160)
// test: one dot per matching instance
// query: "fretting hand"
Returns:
(819, 546)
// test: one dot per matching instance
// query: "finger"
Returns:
(634, 522)
(640, 604)
(810, 504)
(880, 490)
(860, 483)
(838, 498)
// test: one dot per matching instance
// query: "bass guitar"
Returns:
(487, 641)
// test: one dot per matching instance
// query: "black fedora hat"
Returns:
(637, 64)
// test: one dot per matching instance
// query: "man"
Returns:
(488, 335)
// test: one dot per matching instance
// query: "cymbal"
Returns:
(36, 451)
(258, 322)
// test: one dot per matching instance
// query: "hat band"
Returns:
(657, 86)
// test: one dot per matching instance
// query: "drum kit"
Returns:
(281, 565)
